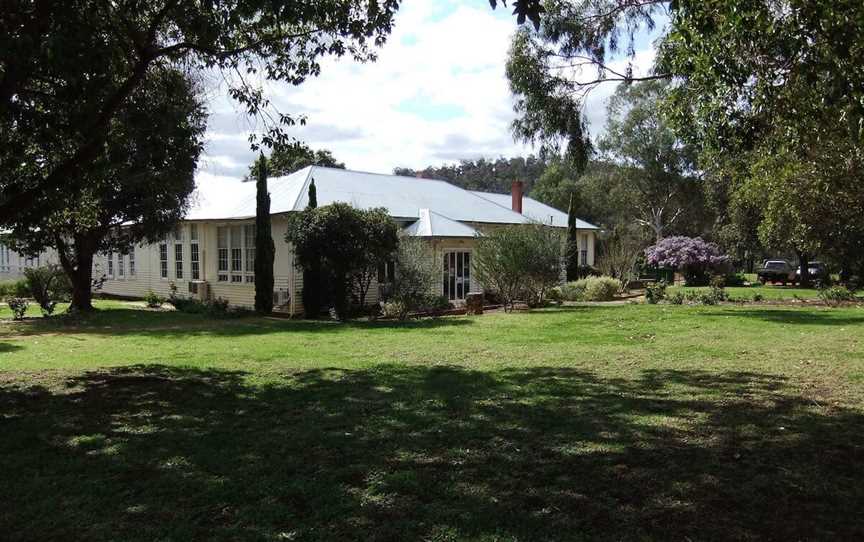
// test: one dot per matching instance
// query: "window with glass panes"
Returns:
(121, 269)
(236, 253)
(250, 252)
(457, 274)
(132, 261)
(110, 264)
(194, 254)
(583, 254)
(222, 253)
(236, 238)
(163, 260)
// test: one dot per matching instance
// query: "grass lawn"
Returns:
(579, 423)
(768, 292)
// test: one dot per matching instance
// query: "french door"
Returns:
(457, 274)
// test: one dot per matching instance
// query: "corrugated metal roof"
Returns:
(432, 224)
(536, 210)
(403, 197)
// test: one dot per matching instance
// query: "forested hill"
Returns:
(484, 174)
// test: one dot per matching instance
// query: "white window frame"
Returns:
(583, 254)
(109, 259)
(178, 261)
(163, 259)
(234, 254)
(451, 278)
(121, 271)
(194, 253)
(131, 261)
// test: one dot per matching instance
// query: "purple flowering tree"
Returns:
(691, 255)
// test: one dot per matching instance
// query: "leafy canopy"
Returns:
(70, 67)
(345, 242)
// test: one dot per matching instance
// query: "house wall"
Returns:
(148, 270)
(13, 264)
(288, 281)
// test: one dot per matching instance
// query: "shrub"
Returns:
(187, 305)
(554, 295)
(416, 272)
(153, 300)
(735, 279)
(14, 288)
(18, 305)
(521, 260)
(706, 298)
(346, 242)
(437, 303)
(692, 255)
(757, 297)
(394, 309)
(47, 284)
(601, 288)
(718, 288)
(573, 291)
(836, 295)
(677, 298)
(656, 292)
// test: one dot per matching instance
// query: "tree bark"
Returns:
(79, 271)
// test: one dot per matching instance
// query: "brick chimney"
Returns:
(516, 195)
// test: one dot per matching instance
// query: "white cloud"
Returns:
(445, 59)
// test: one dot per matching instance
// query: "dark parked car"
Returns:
(777, 271)
(817, 270)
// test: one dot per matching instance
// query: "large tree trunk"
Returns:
(79, 269)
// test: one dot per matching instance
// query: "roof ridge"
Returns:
(448, 183)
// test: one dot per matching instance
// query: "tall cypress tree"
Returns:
(314, 283)
(265, 250)
(313, 195)
(572, 241)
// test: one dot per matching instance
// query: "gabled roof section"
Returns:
(233, 199)
(537, 211)
(403, 197)
(432, 224)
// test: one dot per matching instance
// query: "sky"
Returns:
(436, 94)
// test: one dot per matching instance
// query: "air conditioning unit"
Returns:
(199, 289)
(281, 298)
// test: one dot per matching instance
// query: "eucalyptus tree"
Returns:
(68, 68)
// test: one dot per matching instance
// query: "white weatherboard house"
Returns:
(212, 252)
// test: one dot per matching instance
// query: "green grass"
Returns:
(768, 292)
(581, 423)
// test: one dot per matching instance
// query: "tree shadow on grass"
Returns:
(119, 322)
(8, 347)
(399, 453)
(823, 317)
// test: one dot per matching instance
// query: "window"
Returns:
(195, 260)
(249, 232)
(222, 249)
(386, 272)
(132, 261)
(457, 274)
(4, 258)
(583, 254)
(120, 267)
(178, 260)
(236, 252)
(163, 260)
(110, 262)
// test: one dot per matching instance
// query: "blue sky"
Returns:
(436, 94)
